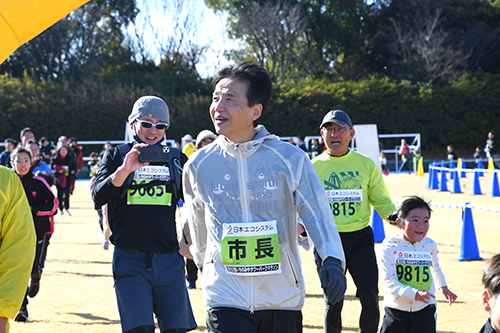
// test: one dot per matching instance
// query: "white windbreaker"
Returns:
(260, 180)
(396, 294)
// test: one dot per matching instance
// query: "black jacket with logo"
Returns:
(148, 228)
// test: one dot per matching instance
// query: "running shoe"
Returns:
(22, 315)
(33, 288)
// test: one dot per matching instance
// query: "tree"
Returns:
(423, 50)
(168, 30)
(441, 39)
(476, 23)
(271, 33)
(334, 34)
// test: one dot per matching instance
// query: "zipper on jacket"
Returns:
(243, 181)
(245, 205)
(252, 307)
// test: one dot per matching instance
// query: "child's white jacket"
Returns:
(396, 294)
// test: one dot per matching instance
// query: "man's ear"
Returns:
(257, 111)
(486, 300)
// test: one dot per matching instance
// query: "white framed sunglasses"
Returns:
(147, 124)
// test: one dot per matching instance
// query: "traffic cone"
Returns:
(468, 245)
(378, 227)
(431, 173)
(420, 168)
(443, 187)
(435, 180)
(491, 166)
(480, 167)
(476, 186)
(463, 174)
(452, 165)
(495, 189)
(456, 183)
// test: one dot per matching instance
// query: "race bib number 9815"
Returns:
(413, 269)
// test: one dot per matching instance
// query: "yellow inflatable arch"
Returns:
(23, 20)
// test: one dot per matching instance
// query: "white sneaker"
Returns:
(68, 213)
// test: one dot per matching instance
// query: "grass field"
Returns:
(77, 292)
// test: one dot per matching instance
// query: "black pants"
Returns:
(396, 321)
(44, 251)
(231, 320)
(63, 194)
(361, 262)
(99, 214)
(36, 271)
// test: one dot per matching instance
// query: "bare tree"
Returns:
(272, 33)
(425, 50)
(168, 30)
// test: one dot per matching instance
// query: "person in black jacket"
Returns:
(147, 267)
(43, 205)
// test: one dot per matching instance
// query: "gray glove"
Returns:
(333, 279)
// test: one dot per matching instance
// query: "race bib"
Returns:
(414, 268)
(251, 248)
(156, 195)
(153, 172)
(344, 195)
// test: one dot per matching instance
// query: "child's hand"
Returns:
(451, 297)
(424, 296)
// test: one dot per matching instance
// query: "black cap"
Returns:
(338, 117)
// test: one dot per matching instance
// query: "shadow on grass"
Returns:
(380, 298)
(60, 273)
(96, 320)
(71, 261)
(72, 243)
(458, 247)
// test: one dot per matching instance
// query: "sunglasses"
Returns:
(147, 124)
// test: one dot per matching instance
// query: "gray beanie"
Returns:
(152, 107)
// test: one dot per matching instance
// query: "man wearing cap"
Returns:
(352, 182)
(188, 147)
(243, 194)
(147, 267)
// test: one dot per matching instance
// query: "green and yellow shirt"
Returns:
(352, 183)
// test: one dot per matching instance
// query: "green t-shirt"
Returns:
(352, 183)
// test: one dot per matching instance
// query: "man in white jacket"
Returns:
(242, 196)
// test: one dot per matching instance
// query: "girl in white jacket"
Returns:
(410, 270)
